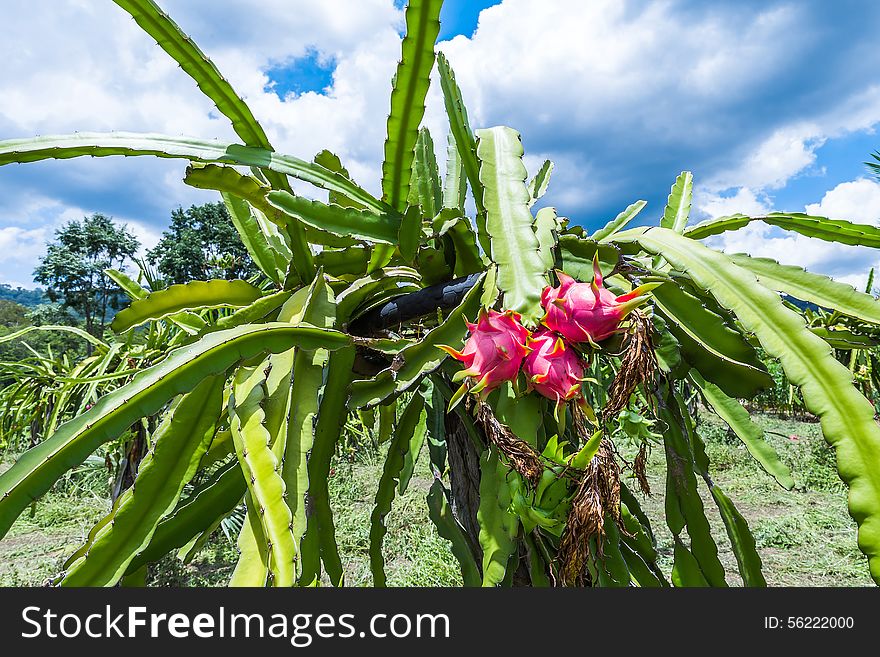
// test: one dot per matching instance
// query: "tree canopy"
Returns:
(200, 244)
(73, 267)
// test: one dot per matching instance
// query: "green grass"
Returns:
(41, 539)
(804, 536)
(37, 546)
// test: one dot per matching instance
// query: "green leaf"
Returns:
(588, 451)
(213, 499)
(425, 184)
(255, 239)
(539, 184)
(639, 538)
(332, 162)
(498, 525)
(229, 180)
(641, 571)
(195, 294)
(455, 182)
(513, 244)
(252, 568)
(97, 144)
(678, 206)
(718, 351)
(537, 563)
(319, 309)
(419, 359)
(741, 539)
(612, 227)
(321, 531)
(743, 543)
(196, 64)
(85, 335)
(256, 311)
(738, 419)
(132, 289)
(411, 422)
(347, 222)
(467, 254)
(460, 130)
(685, 568)
(546, 226)
(178, 445)
(348, 261)
(366, 291)
(611, 562)
(577, 255)
(262, 471)
(684, 508)
(448, 528)
(521, 414)
(838, 338)
(815, 288)
(846, 417)
(38, 468)
(408, 91)
(830, 230)
(410, 234)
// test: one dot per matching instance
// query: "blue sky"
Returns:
(773, 105)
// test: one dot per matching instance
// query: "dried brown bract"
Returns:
(640, 469)
(638, 365)
(519, 455)
(597, 499)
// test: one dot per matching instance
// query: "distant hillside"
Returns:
(22, 296)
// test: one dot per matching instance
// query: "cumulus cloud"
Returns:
(88, 66)
(621, 95)
(857, 201)
(743, 201)
(21, 248)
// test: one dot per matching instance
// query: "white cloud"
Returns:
(148, 236)
(618, 94)
(791, 149)
(88, 66)
(787, 152)
(605, 63)
(857, 200)
(744, 201)
(21, 247)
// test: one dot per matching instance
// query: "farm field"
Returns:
(804, 536)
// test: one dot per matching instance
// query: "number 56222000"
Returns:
(809, 622)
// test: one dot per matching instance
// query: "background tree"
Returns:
(21, 295)
(201, 244)
(11, 314)
(73, 267)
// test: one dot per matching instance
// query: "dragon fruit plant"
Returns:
(356, 294)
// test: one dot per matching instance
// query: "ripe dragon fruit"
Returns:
(553, 368)
(493, 353)
(588, 312)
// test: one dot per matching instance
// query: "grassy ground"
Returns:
(805, 536)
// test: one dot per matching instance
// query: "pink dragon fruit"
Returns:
(588, 312)
(553, 368)
(493, 353)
